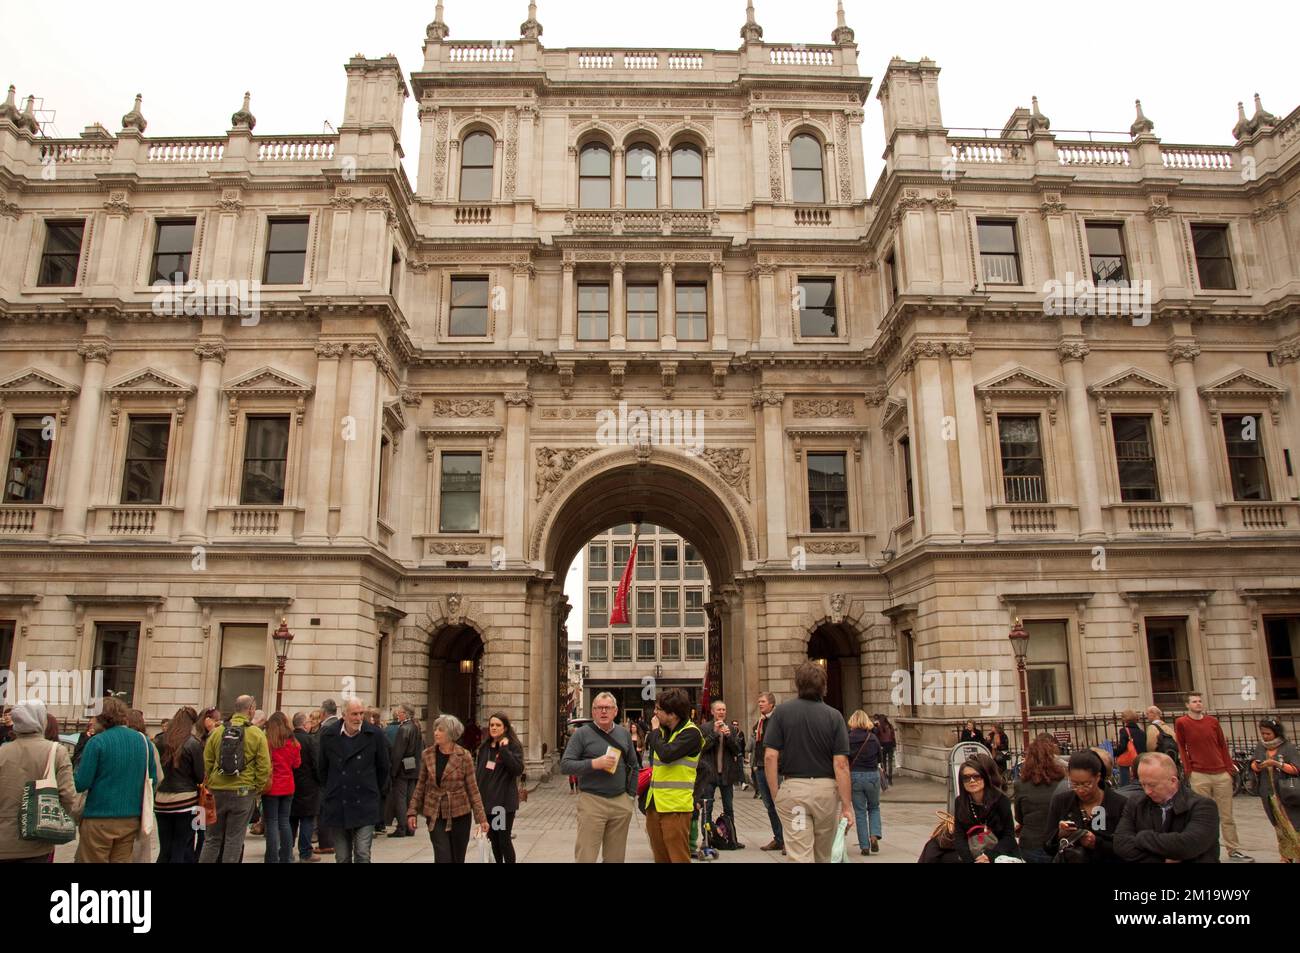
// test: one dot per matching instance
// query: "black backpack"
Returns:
(1167, 744)
(230, 759)
(724, 835)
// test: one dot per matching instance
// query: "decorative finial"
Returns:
(842, 36)
(9, 109)
(751, 32)
(1142, 126)
(135, 119)
(437, 31)
(1262, 120)
(531, 28)
(28, 119)
(244, 119)
(1037, 121)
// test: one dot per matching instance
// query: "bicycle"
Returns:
(1245, 781)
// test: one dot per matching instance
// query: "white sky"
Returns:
(1188, 63)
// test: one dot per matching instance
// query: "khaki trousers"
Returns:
(603, 823)
(106, 840)
(669, 835)
(1219, 788)
(810, 812)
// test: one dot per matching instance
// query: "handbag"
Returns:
(41, 815)
(146, 800)
(980, 840)
(1070, 851)
(208, 804)
(1130, 754)
(1287, 787)
(944, 833)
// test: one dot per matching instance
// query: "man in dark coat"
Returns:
(354, 774)
(1170, 822)
(406, 747)
(720, 765)
(306, 791)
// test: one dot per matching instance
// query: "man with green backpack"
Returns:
(238, 763)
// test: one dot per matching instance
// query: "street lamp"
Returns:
(283, 639)
(1020, 645)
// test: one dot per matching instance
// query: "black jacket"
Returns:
(996, 816)
(354, 777)
(1065, 807)
(499, 787)
(306, 777)
(1193, 834)
(186, 776)
(708, 773)
(407, 744)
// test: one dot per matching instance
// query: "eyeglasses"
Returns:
(604, 708)
(970, 778)
(1083, 785)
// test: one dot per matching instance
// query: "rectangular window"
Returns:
(598, 648)
(668, 561)
(1106, 256)
(1022, 459)
(694, 565)
(695, 607)
(597, 562)
(695, 648)
(1246, 456)
(62, 254)
(622, 529)
(1213, 257)
(172, 250)
(645, 648)
(384, 449)
(999, 254)
(891, 278)
(146, 459)
(243, 664)
(1136, 458)
(266, 455)
(622, 648)
(816, 300)
(905, 453)
(643, 312)
(670, 608)
(597, 608)
(1282, 637)
(909, 650)
(1170, 661)
(670, 648)
(828, 493)
(692, 313)
(469, 308)
(621, 552)
(593, 312)
(29, 462)
(7, 645)
(645, 608)
(645, 561)
(461, 481)
(286, 251)
(117, 646)
(1048, 665)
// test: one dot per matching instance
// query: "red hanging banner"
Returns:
(619, 614)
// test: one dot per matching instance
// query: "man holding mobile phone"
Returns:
(720, 766)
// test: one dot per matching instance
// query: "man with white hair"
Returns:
(28, 757)
(354, 772)
(1170, 824)
(603, 759)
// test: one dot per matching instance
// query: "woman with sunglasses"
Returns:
(984, 828)
(1087, 815)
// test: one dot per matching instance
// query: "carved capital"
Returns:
(209, 351)
(364, 351)
(1183, 351)
(329, 351)
(768, 398)
(959, 348)
(519, 398)
(1072, 351)
(100, 351)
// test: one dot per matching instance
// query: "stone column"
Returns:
(568, 316)
(356, 522)
(96, 355)
(1287, 357)
(973, 504)
(774, 472)
(665, 179)
(524, 169)
(929, 438)
(1205, 518)
(667, 310)
(617, 310)
(453, 170)
(321, 453)
(519, 309)
(618, 187)
(718, 286)
(767, 315)
(1087, 486)
(516, 478)
(194, 525)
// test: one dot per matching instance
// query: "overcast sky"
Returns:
(1188, 63)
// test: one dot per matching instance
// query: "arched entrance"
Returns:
(686, 496)
(833, 647)
(455, 675)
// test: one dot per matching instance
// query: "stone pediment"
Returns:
(394, 419)
(895, 412)
(150, 383)
(1242, 383)
(1019, 381)
(1131, 383)
(30, 382)
(266, 382)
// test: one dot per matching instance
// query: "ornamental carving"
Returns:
(1183, 351)
(95, 352)
(210, 352)
(1051, 208)
(230, 201)
(552, 465)
(519, 398)
(330, 351)
(512, 152)
(959, 348)
(440, 155)
(839, 602)
(1072, 350)
(732, 464)
(876, 394)
(831, 548)
(1287, 353)
(456, 549)
(364, 352)
(823, 408)
(411, 398)
(455, 608)
(842, 157)
(117, 204)
(768, 398)
(774, 165)
(467, 407)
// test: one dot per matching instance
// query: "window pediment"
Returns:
(266, 382)
(1131, 383)
(30, 382)
(150, 383)
(1242, 383)
(1019, 381)
(895, 413)
(394, 419)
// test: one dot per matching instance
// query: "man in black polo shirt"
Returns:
(807, 745)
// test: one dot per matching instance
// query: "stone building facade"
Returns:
(400, 445)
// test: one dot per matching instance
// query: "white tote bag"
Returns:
(146, 800)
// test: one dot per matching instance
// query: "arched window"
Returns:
(476, 167)
(642, 177)
(688, 177)
(806, 162)
(594, 176)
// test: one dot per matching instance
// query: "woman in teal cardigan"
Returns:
(112, 772)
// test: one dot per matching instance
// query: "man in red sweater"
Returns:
(1210, 768)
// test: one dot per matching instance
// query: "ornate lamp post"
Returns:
(1020, 645)
(283, 639)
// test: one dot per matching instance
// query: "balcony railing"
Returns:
(1090, 153)
(296, 148)
(802, 56)
(132, 521)
(1023, 489)
(76, 150)
(1196, 157)
(186, 150)
(1150, 519)
(249, 522)
(1001, 269)
(481, 53)
(474, 215)
(994, 151)
(17, 519)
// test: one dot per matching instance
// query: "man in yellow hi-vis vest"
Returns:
(674, 747)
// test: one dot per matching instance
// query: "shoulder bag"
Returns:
(41, 816)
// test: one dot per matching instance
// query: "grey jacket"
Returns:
(586, 745)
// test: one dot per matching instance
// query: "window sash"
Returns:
(688, 178)
(593, 312)
(1282, 641)
(828, 492)
(905, 451)
(468, 312)
(61, 254)
(598, 648)
(695, 648)
(460, 491)
(1247, 464)
(172, 252)
(817, 317)
(1022, 460)
(117, 653)
(145, 468)
(1213, 254)
(670, 648)
(266, 457)
(641, 178)
(999, 252)
(286, 251)
(1135, 459)
(29, 462)
(692, 312)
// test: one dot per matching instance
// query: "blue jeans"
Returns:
(1123, 775)
(353, 846)
(1035, 855)
(706, 794)
(760, 781)
(279, 837)
(301, 828)
(866, 801)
